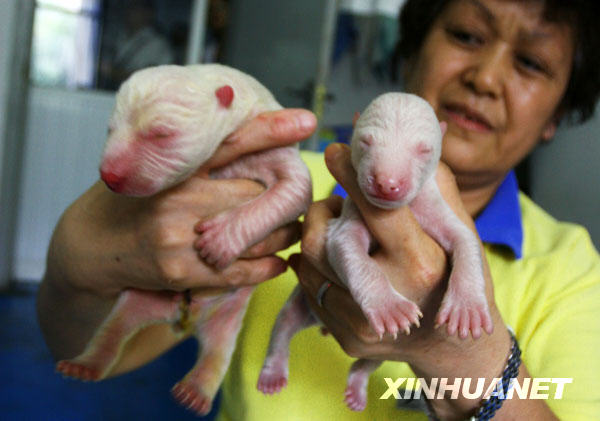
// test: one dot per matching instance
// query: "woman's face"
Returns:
(495, 71)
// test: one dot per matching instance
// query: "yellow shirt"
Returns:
(550, 297)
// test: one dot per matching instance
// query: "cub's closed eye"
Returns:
(366, 140)
(111, 127)
(157, 133)
(424, 149)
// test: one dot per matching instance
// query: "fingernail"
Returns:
(306, 120)
(334, 150)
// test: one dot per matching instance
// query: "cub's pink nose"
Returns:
(112, 180)
(390, 189)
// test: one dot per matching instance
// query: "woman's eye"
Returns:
(465, 37)
(529, 63)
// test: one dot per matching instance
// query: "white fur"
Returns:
(397, 123)
(181, 100)
(398, 127)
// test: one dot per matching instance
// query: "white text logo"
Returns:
(440, 388)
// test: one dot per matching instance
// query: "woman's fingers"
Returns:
(449, 190)
(314, 233)
(338, 310)
(243, 272)
(267, 130)
(253, 271)
(280, 239)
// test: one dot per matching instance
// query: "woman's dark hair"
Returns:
(579, 101)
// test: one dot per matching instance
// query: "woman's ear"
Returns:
(549, 131)
(443, 127)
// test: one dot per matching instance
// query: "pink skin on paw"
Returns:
(358, 379)
(356, 394)
(465, 314)
(273, 377)
(392, 313)
(270, 383)
(188, 395)
(214, 245)
(354, 400)
(77, 371)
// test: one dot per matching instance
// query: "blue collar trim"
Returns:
(500, 222)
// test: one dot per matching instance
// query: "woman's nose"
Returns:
(488, 72)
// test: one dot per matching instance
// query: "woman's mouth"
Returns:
(467, 118)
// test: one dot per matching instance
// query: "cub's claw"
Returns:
(77, 371)
(392, 314)
(189, 396)
(468, 313)
(273, 376)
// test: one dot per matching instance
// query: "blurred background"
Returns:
(60, 64)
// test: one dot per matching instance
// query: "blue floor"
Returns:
(31, 390)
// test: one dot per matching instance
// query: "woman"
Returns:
(501, 74)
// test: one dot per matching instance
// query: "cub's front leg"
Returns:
(288, 194)
(464, 306)
(348, 244)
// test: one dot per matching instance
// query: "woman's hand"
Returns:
(146, 242)
(418, 268)
(106, 242)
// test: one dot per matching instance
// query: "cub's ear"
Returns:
(443, 127)
(355, 118)
(225, 96)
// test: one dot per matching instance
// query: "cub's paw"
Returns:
(392, 313)
(463, 312)
(219, 244)
(76, 370)
(189, 395)
(355, 395)
(273, 378)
